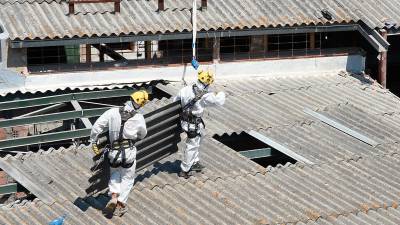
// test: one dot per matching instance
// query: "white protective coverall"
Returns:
(121, 179)
(185, 95)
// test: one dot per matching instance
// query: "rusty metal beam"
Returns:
(88, 53)
(383, 62)
(147, 50)
(161, 5)
(216, 49)
(203, 4)
(312, 40)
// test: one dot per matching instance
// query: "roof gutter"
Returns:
(183, 35)
(373, 37)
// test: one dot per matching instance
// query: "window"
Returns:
(270, 46)
(46, 55)
(100, 56)
(233, 48)
(254, 149)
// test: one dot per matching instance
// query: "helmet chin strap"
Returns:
(135, 105)
(205, 86)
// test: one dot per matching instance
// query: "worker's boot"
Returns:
(197, 167)
(120, 210)
(184, 174)
(111, 205)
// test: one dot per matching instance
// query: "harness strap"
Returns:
(189, 117)
(125, 116)
(198, 94)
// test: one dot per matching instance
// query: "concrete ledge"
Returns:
(266, 68)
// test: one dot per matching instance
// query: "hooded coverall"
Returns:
(121, 179)
(185, 95)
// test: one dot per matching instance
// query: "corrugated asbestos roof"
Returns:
(76, 163)
(39, 213)
(49, 19)
(351, 182)
(30, 19)
(356, 191)
(257, 103)
(374, 13)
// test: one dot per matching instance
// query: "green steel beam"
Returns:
(18, 104)
(8, 188)
(43, 110)
(257, 153)
(85, 113)
(44, 138)
(65, 135)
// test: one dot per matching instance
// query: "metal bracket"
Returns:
(341, 127)
(374, 38)
(279, 147)
(78, 107)
(257, 153)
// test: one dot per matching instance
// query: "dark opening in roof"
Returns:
(159, 94)
(254, 149)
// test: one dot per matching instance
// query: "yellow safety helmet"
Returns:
(140, 97)
(206, 77)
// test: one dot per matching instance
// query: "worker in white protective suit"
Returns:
(194, 99)
(125, 126)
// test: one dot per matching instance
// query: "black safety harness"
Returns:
(188, 116)
(121, 144)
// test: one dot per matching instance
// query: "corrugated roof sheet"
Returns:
(348, 179)
(76, 163)
(40, 19)
(356, 191)
(275, 108)
(257, 103)
(30, 19)
(374, 13)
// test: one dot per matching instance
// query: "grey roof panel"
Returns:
(49, 18)
(46, 170)
(42, 19)
(264, 103)
(359, 191)
(349, 178)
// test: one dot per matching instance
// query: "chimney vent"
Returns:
(161, 5)
(203, 4)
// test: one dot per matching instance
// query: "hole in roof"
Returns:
(159, 94)
(254, 149)
(14, 192)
